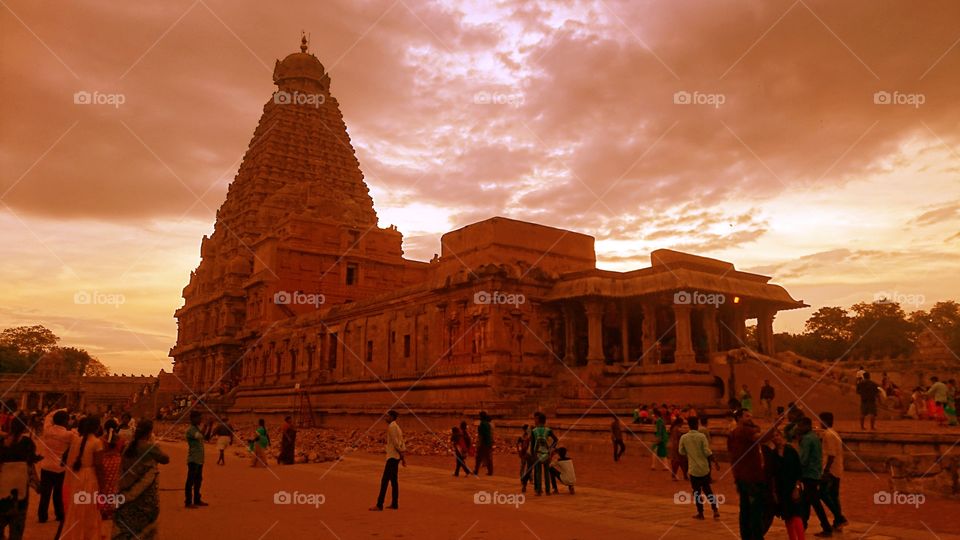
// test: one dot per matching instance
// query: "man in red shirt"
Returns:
(745, 446)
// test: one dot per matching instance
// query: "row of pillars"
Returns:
(25, 400)
(684, 353)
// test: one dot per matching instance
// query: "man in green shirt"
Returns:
(811, 468)
(191, 490)
(484, 444)
(695, 446)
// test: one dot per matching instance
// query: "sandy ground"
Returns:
(622, 500)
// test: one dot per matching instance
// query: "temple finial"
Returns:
(303, 41)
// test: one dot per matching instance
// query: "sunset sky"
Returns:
(821, 144)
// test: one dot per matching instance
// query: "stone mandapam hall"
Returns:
(299, 290)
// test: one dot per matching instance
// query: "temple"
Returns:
(300, 292)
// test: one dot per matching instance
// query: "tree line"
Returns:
(22, 347)
(877, 329)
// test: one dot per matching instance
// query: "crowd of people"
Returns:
(936, 401)
(99, 473)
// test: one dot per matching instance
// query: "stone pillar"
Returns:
(710, 328)
(765, 331)
(594, 309)
(40, 402)
(569, 335)
(650, 357)
(24, 400)
(624, 331)
(683, 354)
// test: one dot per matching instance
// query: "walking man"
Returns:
(938, 393)
(616, 435)
(767, 394)
(811, 470)
(832, 470)
(394, 449)
(55, 442)
(484, 444)
(869, 393)
(695, 446)
(744, 444)
(191, 489)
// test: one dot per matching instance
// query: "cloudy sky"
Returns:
(817, 142)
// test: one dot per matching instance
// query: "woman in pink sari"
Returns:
(113, 445)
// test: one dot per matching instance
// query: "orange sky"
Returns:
(785, 161)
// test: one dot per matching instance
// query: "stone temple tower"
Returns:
(297, 231)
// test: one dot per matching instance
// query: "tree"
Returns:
(944, 319)
(881, 329)
(95, 368)
(11, 361)
(827, 334)
(29, 341)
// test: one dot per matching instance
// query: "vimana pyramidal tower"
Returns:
(300, 291)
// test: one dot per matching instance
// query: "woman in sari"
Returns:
(288, 439)
(259, 444)
(85, 458)
(112, 448)
(659, 449)
(136, 518)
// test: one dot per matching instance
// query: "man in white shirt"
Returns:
(832, 470)
(54, 443)
(395, 449)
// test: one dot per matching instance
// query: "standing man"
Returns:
(484, 444)
(832, 470)
(744, 444)
(767, 394)
(869, 393)
(540, 448)
(695, 446)
(191, 489)
(938, 392)
(811, 470)
(616, 435)
(395, 449)
(55, 442)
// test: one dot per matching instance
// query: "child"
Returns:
(561, 468)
